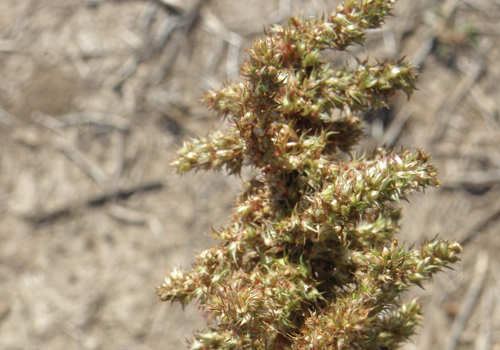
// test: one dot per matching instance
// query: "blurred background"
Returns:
(95, 96)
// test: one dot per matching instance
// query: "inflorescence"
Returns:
(309, 259)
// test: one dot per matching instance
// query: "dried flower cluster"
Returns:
(309, 260)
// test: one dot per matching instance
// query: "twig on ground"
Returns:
(135, 217)
(166, 29)
(391, 46)
(99, 200)
(489, 215)
(146, 18)
(127, 215)
(131, 39)
(473, 153)
(487, 112)
(124, 193)
(118, 140)
(474, 179)
(126, 71)
(93, 307)
(47, 121)
(233, 55)
(405, 23)
(396, 127)
(109, 120)
(83, 163)
(187, 24)
(75, 53)
(477, 283)
(449, 7)
(173, 5)
(214, 26)
(483, 341)
(213, 57)
(449, 105)
(425, 47)
(129, 99)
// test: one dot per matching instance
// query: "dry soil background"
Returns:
(96, 94)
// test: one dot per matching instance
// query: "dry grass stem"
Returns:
(475, 288)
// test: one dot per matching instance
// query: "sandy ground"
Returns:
(94, 97)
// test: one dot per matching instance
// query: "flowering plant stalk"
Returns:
(309, 259)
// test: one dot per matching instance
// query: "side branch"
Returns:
(217, 150)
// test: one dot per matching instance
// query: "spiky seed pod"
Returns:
(309, 259)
